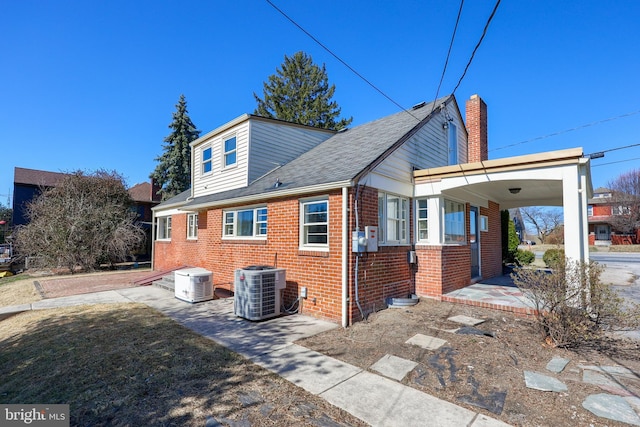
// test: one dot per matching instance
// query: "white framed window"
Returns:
(590, 210)
(314, 224)
(164, 228)
(393, 212)
(452, 136)
(245, 223)
(620, 210)
(484, 223)
(207, 165)
(422, 219)
(192, 226)
(229, 152)
(454, 225)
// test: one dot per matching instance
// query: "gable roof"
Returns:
(142, 193)
(334, 163)
(36, 177)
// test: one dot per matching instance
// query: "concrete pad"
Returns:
(106, 297)
(12, 310)
(484, 421)
(383, 402)
(611, 407)
(537, 381)
(394, 367)
(426, 342)
(306, 368)
(466, 320)
(557, 364)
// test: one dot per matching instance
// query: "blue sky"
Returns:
(93, 84)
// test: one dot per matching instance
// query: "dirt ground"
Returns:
(469, 370)
(472, 370)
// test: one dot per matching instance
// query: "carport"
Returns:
(554, 178)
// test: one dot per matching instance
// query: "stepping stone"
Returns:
(466, 320)
(394, 367)
(634, 401)
(426, 342)
(612, 370)
(557, 364)
(611, 407)
(605, 382)
(542, 382)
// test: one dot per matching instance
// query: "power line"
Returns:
(567, 130)
(484, 33)
(340, 59)
(446, 62)
(600, 154)
(620, 148)
(619, 161)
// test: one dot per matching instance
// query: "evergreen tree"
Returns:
(299, 92)
(173, 172)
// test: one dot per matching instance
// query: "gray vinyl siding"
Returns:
(274, 144)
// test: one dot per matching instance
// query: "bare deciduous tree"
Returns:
(545, 220)
(625, 202)
(84, 221)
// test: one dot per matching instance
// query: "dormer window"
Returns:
(230, 152)
(206, 160)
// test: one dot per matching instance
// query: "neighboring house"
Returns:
(601, 209)
(417, 184)
(28, 184)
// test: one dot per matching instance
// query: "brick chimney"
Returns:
(476, 115)
(155, 188)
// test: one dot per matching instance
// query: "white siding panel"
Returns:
(274, 144)
(428, 148)
(220, 178)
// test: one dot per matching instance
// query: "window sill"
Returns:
(245, 241)
(314, 252)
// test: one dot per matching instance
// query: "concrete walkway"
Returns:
(374, 399)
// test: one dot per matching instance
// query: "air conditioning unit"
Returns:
(257, 292)
(193, 284)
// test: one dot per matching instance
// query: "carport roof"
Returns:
(529, 180)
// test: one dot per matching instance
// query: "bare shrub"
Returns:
(572, 304)
(84, 221)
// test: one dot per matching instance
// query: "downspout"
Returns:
(345, 257)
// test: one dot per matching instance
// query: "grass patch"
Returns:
(624, 248)
(127, 364)
(18, 289)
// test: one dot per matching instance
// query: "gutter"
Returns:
(261, 197)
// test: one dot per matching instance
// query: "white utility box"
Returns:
(257, 292)
(194, 284)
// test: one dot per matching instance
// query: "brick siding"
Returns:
(382, 274)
